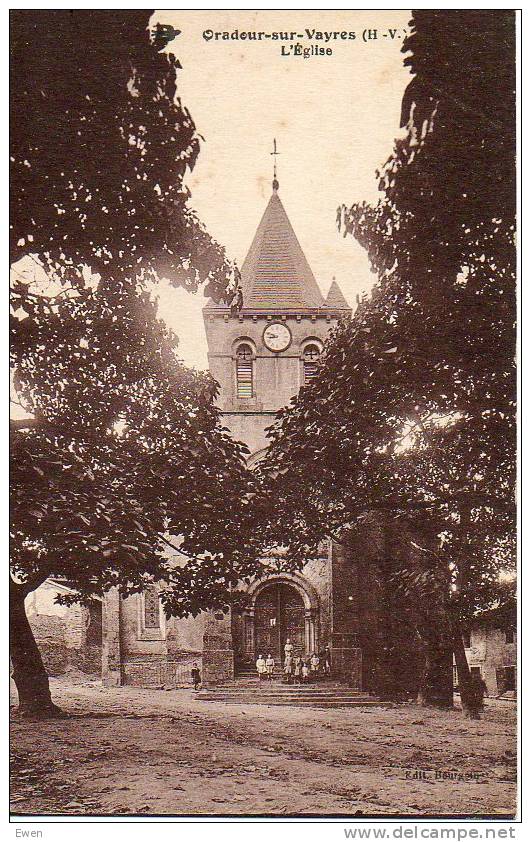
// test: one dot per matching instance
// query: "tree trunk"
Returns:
(422, 694)
(470, 701)
(28, 673)
(436, 686)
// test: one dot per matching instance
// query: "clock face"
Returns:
(277, 337)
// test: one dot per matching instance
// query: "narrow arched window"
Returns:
(151, 608)
(244, 372)
(311, 356)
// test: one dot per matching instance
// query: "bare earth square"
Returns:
(155, 752)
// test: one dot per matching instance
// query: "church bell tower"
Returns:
(263, 353)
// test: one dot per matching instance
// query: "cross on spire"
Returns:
(275, 153)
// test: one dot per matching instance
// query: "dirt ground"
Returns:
(153, 752)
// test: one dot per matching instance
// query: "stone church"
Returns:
(261, 355)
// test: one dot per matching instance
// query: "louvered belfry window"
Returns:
(244, 372)
(311, 356)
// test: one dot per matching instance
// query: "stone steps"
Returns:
(265, 686)
(329, 695)
(232, 699)
(251, 673)
(278, 675)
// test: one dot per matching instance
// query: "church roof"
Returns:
(275, 273)
(335, 300)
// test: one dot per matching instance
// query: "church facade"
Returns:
(261, 354)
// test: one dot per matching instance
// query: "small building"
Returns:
(491, 650)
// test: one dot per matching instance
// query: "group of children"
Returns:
(296, 669)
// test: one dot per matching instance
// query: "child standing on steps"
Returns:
(297, 669)
(261, 667)
(314, 665)
(288, 670)
(270, 666)
(305, 672)
(196, 677)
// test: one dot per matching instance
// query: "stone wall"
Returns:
(149, 657)
(160, 670)
(317, 572)
(343, 637)
(218, 651)
(50, 634)
(67, 636)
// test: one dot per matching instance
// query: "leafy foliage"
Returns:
(124, 447)
(126, 452)
(99, 148)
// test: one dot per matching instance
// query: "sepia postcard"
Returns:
(263, 417)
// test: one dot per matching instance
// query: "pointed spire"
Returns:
(335, 300)
(275, 153)
(275, 273)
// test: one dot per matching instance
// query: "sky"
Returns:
(334, 118)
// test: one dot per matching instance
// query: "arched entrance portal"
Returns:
(279, 614)
(278, 607)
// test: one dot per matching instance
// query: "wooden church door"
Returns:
(279, 615)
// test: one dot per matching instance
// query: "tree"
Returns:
(413, 411)
(122, 450)
(99, 149)
(125, 451)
